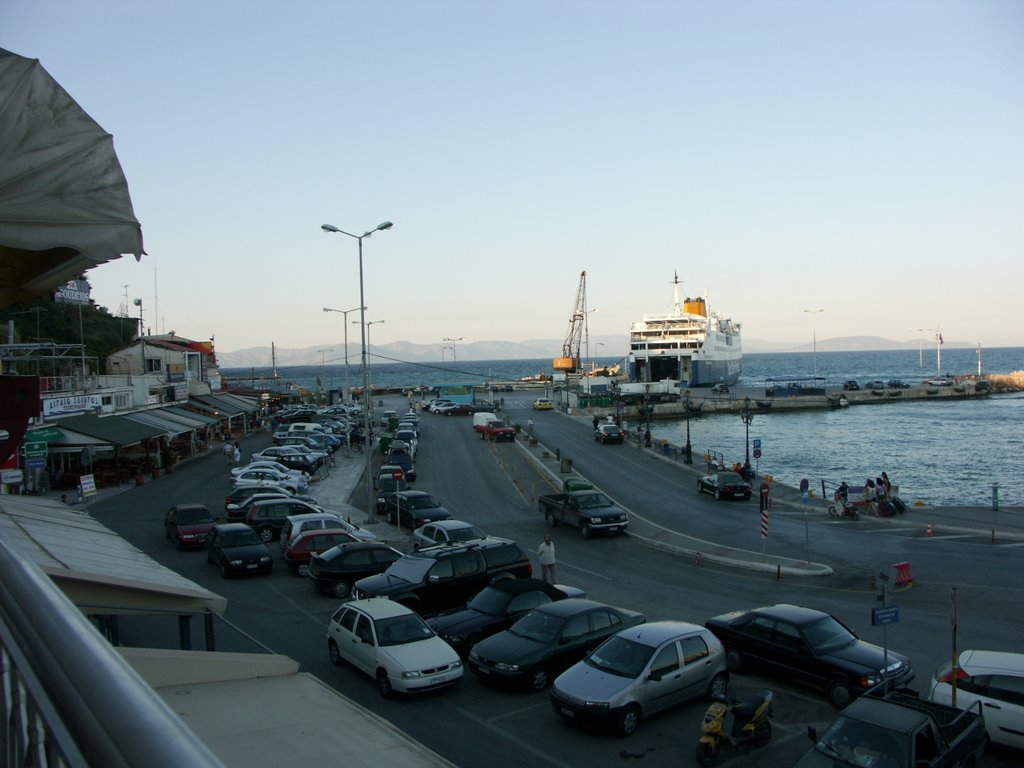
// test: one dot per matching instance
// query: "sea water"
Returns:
(948, 452)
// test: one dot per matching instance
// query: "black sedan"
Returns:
(414, 509)
(851, 386)
(725, 485)
(608, 433)
(547, 641)
(335, 571)
(808, 647)
(237, 549)
(494, 609)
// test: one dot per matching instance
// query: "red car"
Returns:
(188, 525)
(308, 543)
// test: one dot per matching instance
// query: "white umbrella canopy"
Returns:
(64, 201)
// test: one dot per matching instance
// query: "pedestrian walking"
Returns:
(529, 427)
(546, 553)
(597, 421)
(229, 452)
(237, 453)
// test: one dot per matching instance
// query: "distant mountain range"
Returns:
(602, 347)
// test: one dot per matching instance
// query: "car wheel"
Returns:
(266, 534)
(700, 487)
(539, 679)
(733, 660)
(706, 753)
(718, 494)
(628, 721)
(334, 653)
(552, 523)
(341, 589)
(384, 684)
(763, 734)
(718, 686)
(840, 694)
(747, 497)
(223, 571)
(391, 519)
(585, 530)
(302, 569)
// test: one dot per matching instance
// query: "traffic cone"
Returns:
(929, 531)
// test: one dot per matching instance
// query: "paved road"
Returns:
(494, 486)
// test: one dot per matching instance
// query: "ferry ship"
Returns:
(690, 344)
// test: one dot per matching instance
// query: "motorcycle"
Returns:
(749, 725)
(841, 505)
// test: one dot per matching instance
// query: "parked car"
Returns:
(387, 416)
(994, 678)
(942, 381)
(454, 409)
(311, 445)
(292, 457)
(313, 521)
(609, 433)
(301, 548)
(435, 579)
(876, 384)
(720, 389)
(256, 475)
(543, 404)
(242, 492)
(393, 645)
(387, 486)
(237, 549)
(496, 608)
(433, 405)
(444, 532)
(851, 386)
(267, 517)
(413, 509)
(403, 459)
(808, 647)
(546, 641)
(897, 384)
(238, 512)
(335, 571)
(725, 485)
(299, 475)
(408, 436)
(187, 525)
(639, 672)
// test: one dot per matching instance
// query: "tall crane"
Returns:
(570, 359)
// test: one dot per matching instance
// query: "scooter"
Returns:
(749, 725)
(841, 505)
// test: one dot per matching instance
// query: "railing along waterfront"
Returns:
(67, 698)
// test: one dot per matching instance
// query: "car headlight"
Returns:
(410, 674)
(504, 667)
(265, 559)
(235, 562)
(596, 704)
(457, 664)
(596, 519)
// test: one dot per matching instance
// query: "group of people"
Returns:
(876, 493)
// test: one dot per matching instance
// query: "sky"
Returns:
(861, 158)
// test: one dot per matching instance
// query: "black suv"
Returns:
(438, 578)
(415, 508)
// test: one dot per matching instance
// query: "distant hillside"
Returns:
(533, 349)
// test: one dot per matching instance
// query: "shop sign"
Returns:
(65, 406)
(11, 476)
(36, 450)
(73, 292)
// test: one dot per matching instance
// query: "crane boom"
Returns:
(570, 359)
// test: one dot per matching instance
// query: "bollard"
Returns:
(903, 573)
(778, 572)
(995, 497)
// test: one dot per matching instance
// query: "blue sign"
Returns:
(757, 443)
(35, 463)
(880, 616)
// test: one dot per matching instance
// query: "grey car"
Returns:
(640, 671)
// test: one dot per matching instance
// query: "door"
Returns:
(362, 646)
(663, 684)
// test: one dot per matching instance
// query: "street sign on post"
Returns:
(36, 450)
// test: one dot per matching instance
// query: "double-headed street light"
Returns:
(747, 417)
(453, 341)
(345, 328)
(367, 447)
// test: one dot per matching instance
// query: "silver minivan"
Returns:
(640, 671)
(296, 524)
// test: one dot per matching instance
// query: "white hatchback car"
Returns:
(445, 532)
(393, 645)
(994, 678)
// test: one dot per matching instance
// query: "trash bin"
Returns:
(566, 465)
(665, 447)
(385, 445)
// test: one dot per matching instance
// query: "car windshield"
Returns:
(490, 601)
(865, 744)
(402, 629)
(422, 502)
(194, 515)
(622, 657)
(591, 500)
(411, 569)
(539, 626)
(469, 533)
(826, 635)
(240, 538)
(730, 478)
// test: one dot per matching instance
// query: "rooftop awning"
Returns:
(116, 430)
(213, 405)
(171, 427)
(198, 419)
(248, 405)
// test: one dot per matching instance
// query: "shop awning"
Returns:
(116, 430)
(171, 427)
(247, 405)
(212, 405)
(189, 417)
(43, 434)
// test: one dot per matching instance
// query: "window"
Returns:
(600, 620)
(1007, 688)
(363, 630)
(527, 601)
(576, 627)
(760, 628)
(348, 619)
(694, 649)
(666, 661)
(466, 564)
(359, 558)
(502, 556)
(386, 556)
(443, 569)
(787, 636)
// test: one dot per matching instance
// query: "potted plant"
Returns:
(167, 458)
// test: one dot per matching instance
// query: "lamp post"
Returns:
(814, 353)
(367, 447)
(142, 335)
(687, 451)
(747, 417)
(345, 328)
(323, 380)
(586, 334)
(454, 359)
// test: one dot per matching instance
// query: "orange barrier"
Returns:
(903, 573)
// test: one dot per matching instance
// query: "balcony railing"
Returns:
(67, 698)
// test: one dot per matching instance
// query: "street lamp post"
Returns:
(688, 450)
(367, 447)
(454, 359)
(345, 328)
(323, 380)
(814, 348)
(142, 334)
(747, 417)
(586, 328)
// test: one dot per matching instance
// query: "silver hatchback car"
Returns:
(640, 671)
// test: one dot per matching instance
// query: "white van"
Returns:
(306, 427)
(480, 420)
